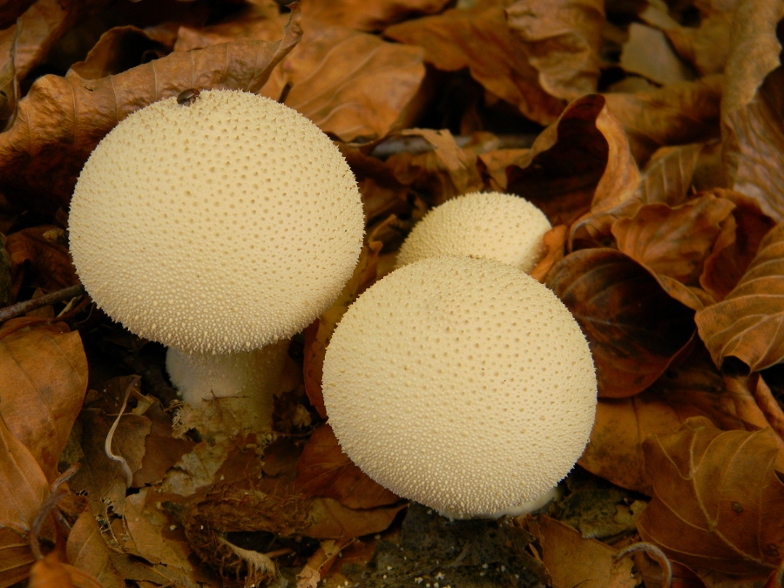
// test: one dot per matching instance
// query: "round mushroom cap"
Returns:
(461, 383)
(497, 226)
(215, 226)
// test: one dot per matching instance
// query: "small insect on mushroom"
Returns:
(187, 97)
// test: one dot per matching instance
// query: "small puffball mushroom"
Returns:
(497, 226)
(218, 225)
(463, 384)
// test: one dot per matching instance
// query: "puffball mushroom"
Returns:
(218, 227)
(497, 226)
(463, 384)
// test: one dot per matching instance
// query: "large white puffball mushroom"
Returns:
(497, 226)
(218, 226)
(463, 384)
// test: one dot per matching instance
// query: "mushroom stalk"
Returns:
(253, 375)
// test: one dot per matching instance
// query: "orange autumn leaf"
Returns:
(747, 324)
(634, 328)
(324, 470)
(50, 572)
(62, 119)
(562, 40)
(369, 16)
(43, 376)
(717, 500)
(480, 39)
(673, 242)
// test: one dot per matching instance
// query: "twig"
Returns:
(20, 308)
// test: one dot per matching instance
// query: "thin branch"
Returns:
(21, 308)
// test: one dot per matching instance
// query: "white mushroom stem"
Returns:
(254, 375)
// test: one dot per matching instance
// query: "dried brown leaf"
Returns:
(16, 557)
(705, 47)
(694, 388)
(328, 519)
(673, 242)
(43, 375)
(480, 39)
(649, 54)
(40, 258)
(677, 114)
(562, 41)
(87, 551)
(49, 572)
(369, 16)
(752, 106)
(668, 174)
(119, 49)
(443, 172)
(580, 160)
(717, 500)
(736, 246)
(555, 242)
(634, 328)
(324, 470)
(574, 561)
(61, 120)
(352, 85)
(747, 324)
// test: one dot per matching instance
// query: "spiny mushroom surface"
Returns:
(219, 226)
(497, 226)
(461, 383)
(216, 226)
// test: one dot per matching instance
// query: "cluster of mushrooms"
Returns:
(457, 380)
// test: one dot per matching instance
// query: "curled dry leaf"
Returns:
(119, 49)
(324, 470)
(443, 172)
(23, 489)
(752, 106)
(43, 376)
(677, 114)
(87, 551)
(40, 258)
(705, 47)
(352, 85)
(667, 177)
(50, 572)
(328, 519)
(562, 171)
(693, 388)
(555, 242)
(634, 328)
(649, 54)
(480, 39)
(673, 242)
(747, 324)
(575, 561)
(562, 41)
(717, 500)
(369, 16)
(736, 246)
(61, 120)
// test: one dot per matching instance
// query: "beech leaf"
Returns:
(562, 40)
(633, 327)
(324, 470)
(369, 16)
(62, 119)
(717, 499)
(673, 242)
(43, 375)
(747, 324)
(480, 39)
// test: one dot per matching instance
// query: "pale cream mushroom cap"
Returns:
(461, 383)
(497, 226)
(215, 227)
